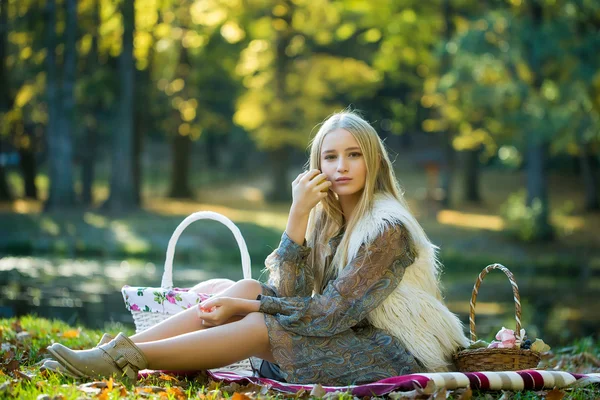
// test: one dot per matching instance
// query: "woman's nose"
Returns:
(342, 165)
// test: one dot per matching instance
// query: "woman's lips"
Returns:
(343, 180)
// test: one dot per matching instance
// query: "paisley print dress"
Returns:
(325, 338)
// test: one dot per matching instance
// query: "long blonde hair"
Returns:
(326, 219)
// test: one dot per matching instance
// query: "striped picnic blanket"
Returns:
(509, 380)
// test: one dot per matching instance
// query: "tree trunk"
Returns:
(88, 166)
(5, 193)
(88, 162)
(122, 193)
(472, 168)
(5, 97)
(143, 120)
(140, 126)
(537, 150)
(212, 150)
(5, 100)
(180, 186)
(590, 180)
(28, 165)
(60, 150)
(537, 190)
(281, 190)
(180, 170)
(447, 170)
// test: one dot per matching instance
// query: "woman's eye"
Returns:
(329, 157)
(355, 154)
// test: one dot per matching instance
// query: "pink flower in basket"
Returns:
(135, 307)
(507, 338)
(171, 298)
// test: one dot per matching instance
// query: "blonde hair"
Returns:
(326, 219)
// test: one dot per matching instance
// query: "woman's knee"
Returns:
(213, 286)
(251, 286)
(258, 328)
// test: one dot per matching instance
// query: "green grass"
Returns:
(21, 378)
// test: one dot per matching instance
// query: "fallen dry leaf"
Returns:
(16, 326)
(412, 394)
(240, 396)
(7, 352)
(103, 395)
(11, 366)
(168, 378)
(70, 334)
(467, 394)
(22, 375)
(175, 391)
(95, 384)
(318, 391)
(90, 390)
(214, 394)
(149, 389)
(441, 394)
(232, 387)
(555, 394)
(429, 389)
(506, 395)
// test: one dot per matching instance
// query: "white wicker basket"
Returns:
(168, 300)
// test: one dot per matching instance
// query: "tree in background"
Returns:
(22, 86)
(122, 189)
(517, 80)
(294, 79)
(5, 97)
(60, 108)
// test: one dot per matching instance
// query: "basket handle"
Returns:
(515, 289)
(167, 278)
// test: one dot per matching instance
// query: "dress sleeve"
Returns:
(289, 272)
(361, 286)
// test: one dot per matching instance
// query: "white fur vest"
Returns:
(414, 313)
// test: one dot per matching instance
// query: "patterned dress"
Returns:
(326, 338)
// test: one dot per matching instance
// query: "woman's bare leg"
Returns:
(187, 320)
(211, 348)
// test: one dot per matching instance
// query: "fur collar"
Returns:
(414, 313)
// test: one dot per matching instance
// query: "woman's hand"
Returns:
(308, 189)
(218, 310)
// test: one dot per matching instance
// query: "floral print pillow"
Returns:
(160, 300)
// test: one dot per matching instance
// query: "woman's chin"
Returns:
(346, 192)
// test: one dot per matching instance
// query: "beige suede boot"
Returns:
(118, 357)
(54, 366)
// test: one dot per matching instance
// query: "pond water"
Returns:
(558, 306)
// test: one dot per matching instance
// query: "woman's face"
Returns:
(343, 162)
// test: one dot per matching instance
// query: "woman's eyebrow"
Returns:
(348, 149)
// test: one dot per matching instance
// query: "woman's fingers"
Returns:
(211, 302)
(210, 317)
(324, 186)
(318, 180)
(310, 175)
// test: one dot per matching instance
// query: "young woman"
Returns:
(353, 294)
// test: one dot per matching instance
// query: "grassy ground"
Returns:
(24, 342)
